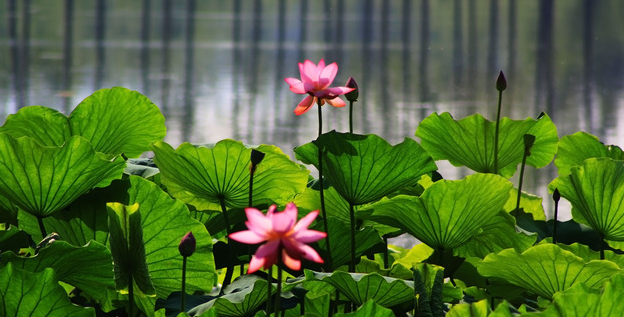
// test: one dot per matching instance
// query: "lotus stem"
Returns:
(556, 197)
(501, 84)
(321, 191)
(602, 247)
(529, 139)
(230, 268)
(41, 227)
(350, 116)
(183, 296)
(352, 219)
(269, 282)
(386, 253)
(278, 296)
(130, 296)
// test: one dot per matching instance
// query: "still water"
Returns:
(215, 68)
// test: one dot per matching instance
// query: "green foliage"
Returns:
(470, 141)
(127, 248)
(24, 293)
(204, 175)
(115, 121)
(546, 269)
(359, 288)
(113, 219)
(42, 180)
(89, 268)
(596, 191)
(449, 213)
(576, 148)
(365, 168)
(580, 300)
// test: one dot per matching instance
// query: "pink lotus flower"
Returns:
(283, 235)
(315, 81)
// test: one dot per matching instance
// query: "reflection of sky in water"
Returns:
(410, 58)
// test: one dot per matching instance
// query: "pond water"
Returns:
(216, 68)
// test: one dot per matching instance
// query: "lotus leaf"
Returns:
(364, 168)
(546, 269)
(204, 175)
(470, 141)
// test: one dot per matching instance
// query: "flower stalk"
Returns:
(187, 248)
(556, 197)
(529, 139)
(501, 84)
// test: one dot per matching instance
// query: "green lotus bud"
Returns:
(187, 245)
(501, 82)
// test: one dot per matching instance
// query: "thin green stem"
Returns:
(386, 255)
(269, 282)
(352, 219)
(500, 99)
(350, 116)
(322, 190)
(278, 295)
(183, 296)
(41, 227)
(602, 247)
(555, 222)
(230, 268)
(130, 296)
(517, 210)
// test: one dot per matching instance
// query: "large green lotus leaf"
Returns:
(243, 297)
(42, 180)
(118, 120)
(449, 213)
(470, 141)
(365, 168)
(546, 269)
(496, 235)
(89, 268)
(596, 191)
(576, 148)
(579, 301)
(115, 121)
(83, 220)
(369, 308)
(202, 175)
(46, 125)
(24, 293)
(128, 249)
(164, 221)
(359, 288)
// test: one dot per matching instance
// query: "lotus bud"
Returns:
(556, 196)
(529, 139)
(501, 82)
(187, 245)
(256, 158)
(355, 93)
